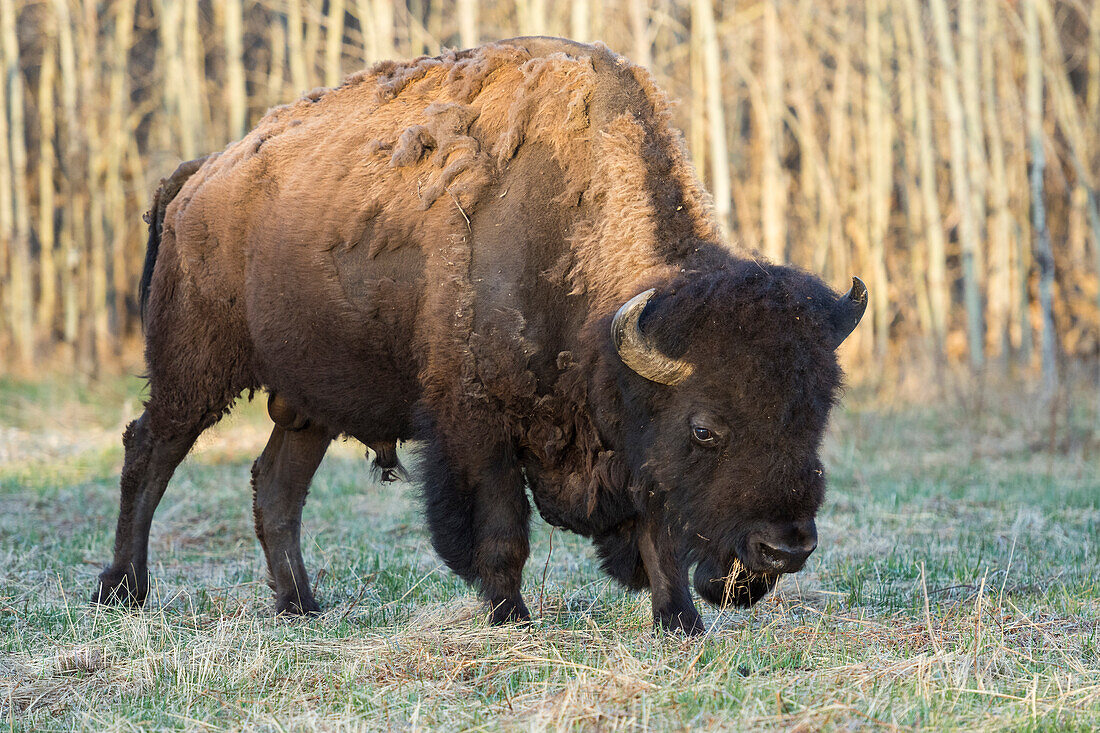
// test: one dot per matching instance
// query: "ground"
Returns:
(955, 588)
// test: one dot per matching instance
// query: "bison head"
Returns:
(727, 381)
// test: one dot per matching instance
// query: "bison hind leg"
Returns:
(150, 460)
(280, 483)
(154, 445)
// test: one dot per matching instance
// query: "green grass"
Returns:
(956, 587)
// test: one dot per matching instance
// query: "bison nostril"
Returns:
(784, 558)
(782, 547)
(803, 550)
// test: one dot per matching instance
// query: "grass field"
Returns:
(956, 587)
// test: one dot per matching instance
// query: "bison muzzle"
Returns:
(502, 253)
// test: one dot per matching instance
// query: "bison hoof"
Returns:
(686, 622)
(121, 589)
(296, 606)
(509, 611)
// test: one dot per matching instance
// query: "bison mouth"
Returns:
(745, 575)
(737, 587)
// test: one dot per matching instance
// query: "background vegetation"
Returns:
(945, 150)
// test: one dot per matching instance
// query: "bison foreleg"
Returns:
(479, 527)
(280, 482)
(673, 609)
(501, 522)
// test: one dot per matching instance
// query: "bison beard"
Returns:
(502, 253)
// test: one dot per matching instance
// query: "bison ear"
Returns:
(847, 311)
(635, 349)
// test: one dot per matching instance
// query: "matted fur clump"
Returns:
(440, 250)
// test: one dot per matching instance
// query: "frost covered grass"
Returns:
(956, 586)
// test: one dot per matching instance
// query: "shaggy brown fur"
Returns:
(435, 250)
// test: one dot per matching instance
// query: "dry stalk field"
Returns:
(946, 151)
(955, 588)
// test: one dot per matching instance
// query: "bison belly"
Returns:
(335, 334)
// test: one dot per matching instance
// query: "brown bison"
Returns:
(504, 253)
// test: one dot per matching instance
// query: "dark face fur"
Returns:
(731, 451)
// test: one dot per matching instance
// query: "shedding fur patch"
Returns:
(556, 88)
(393, 77)
(468, 75)
(444, 141)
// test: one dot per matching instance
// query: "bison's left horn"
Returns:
(847, 311)
(636, 351)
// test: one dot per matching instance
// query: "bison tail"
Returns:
(167, 191)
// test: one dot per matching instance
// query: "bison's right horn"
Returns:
(847, 312)
(636, 351)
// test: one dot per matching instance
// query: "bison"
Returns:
(504, 253)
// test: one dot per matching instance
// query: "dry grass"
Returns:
(955, 588)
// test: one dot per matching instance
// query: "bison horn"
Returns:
(636, 351)
(848, 310)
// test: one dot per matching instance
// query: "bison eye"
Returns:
(703, 436)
